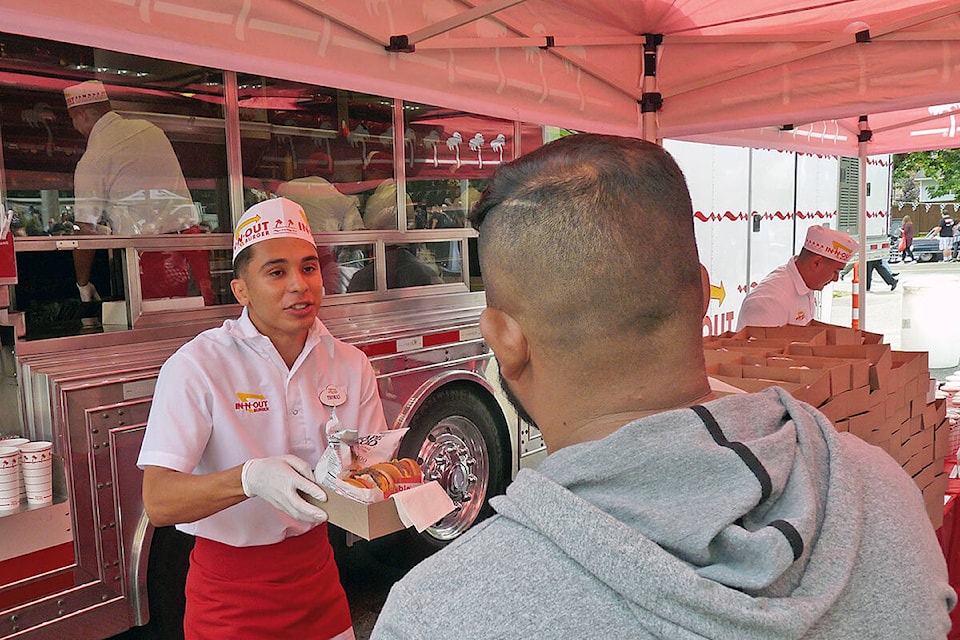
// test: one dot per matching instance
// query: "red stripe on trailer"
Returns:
(444, 337)
(379, 348)
(389, 347)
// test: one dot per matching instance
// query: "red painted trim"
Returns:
(32, 564)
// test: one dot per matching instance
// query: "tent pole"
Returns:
(863, 138)
(651, 101)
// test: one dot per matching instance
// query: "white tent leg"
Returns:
(864, 138)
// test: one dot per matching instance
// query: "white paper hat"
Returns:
(829, 243)
(85, 93)
(275, 218)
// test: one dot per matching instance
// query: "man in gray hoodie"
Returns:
(661, 511)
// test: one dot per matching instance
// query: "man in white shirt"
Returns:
(239, 419)
(128, 182)
(786, 295)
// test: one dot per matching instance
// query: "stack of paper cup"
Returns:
(17, 442)
(9, 478)
(37, 461)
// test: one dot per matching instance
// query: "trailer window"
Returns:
(330, 150)
(42, 146)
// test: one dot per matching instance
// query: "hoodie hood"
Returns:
(728, 507)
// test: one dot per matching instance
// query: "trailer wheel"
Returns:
(457, 439)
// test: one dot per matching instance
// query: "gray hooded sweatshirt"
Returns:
(749, 517)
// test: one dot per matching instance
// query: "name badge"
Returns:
(332, 396)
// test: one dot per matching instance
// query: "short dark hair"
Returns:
(592, 233)
(242, 261)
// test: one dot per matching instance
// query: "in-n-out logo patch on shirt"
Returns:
(251, 402)
(801, 316)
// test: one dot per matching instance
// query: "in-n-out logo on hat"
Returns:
(275, 218)
(829, 243)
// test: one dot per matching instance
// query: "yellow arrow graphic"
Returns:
(717, 293)
(246, 397)
(246, 224)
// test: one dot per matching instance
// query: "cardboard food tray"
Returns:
(368, 520)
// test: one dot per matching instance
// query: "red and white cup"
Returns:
(17, 442)
(36, 459)
(9, 478)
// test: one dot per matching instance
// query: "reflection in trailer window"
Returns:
(327, 149)
(331, 150)
(42, 146)
(143, 154)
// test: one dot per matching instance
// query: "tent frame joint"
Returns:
(400, 44)
(651, 101)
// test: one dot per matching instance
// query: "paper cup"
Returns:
(9, 478)
(37, 468)
(16, 442)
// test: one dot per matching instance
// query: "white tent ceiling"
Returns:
(790, 74)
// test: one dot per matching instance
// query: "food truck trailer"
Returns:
(384, 120)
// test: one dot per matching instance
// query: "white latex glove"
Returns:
(277, 479)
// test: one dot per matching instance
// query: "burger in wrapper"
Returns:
(365, 468)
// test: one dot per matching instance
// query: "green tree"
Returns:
(942, 166)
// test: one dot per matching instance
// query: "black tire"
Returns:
(459, 441)
(924, 257)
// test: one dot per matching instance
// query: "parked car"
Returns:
(925, 249)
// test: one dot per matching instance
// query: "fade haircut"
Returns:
(588, 237)
(242, 261)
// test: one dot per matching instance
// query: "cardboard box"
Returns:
(367, 520)
(753, 347)
(935, 412)
(878, 355)
(808, 385)
(713, 357)
(913, 364)
(809, 334)
(893, 445)
(842, 335)
(846, 404)
(941, 440)
(917, 444)
(918, 461)
(753, 385)
(839, 370)
(869, 426)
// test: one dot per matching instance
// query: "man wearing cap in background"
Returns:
(786, 295)
(127, 182)
(238, 422)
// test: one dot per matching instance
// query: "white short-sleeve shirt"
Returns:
(227, 396)
(780, 299)
(130, 174)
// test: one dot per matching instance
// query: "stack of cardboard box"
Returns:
(883, 396)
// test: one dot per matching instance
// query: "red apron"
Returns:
(290, 589)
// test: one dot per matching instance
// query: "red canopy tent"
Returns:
(763, 71)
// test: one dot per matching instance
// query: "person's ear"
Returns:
(239, 288)
(505, 336)
(705, 286)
